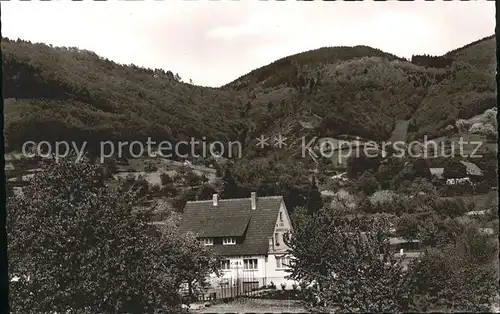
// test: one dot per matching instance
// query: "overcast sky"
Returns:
(213, 43)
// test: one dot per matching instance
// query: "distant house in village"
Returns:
(437, 173)
(487, 231)
(248, 233)
(9, 166)
(472, 173)
(472, 169)
(401, 245)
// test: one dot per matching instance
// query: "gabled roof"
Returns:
(472, 169)
(438, 172)
(217, 226)
(234, 217)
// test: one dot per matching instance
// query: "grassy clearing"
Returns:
(400, 131)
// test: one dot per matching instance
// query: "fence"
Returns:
(247, 285)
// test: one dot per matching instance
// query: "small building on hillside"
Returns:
(487, 231)
(437, 173)
(472, 174)
(401, 245)
(472, 169)
(248, 233)
(9, 166)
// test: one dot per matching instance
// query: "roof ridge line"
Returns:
(241, 198)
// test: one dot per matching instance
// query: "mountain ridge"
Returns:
(359, 90)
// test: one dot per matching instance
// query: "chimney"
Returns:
(253, 197)
(216, 199)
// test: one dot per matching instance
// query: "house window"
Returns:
(281, 216)
(228, 241)
(250, 263)
(282, 262)
(207, 241)
(226, 264)
(276, 239)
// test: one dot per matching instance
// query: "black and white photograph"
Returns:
(165, 157)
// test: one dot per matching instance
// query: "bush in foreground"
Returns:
(73, 245)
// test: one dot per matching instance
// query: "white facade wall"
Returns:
(277, 275)
(266, 272)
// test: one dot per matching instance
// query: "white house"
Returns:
(248, 234)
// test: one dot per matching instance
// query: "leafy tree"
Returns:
(384, 176)
(382, 197)
(412, 170)
(182, 170)
(450, 207)
(436, 232)
(165, 179)
(179, 202)
(149, 166)
(206, 192)
(484, 129)
(343, 203)
(462, 276)
(110, 165)
(169, 190)
(367, 183)
(76, 246)
(360, 164)
(139, 185)
(314, 199)
(428, 229)
(154, 188)
(230, 188)
(420, 169)
(354, 271)
(9, 190)
(462, 125)
(407, 227)
(416, 187)
(192, 179)
(197, 261)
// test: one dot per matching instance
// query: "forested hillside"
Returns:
(71, 94)
(364, 91)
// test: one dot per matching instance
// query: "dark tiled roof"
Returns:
(217, 226)
(234, 217)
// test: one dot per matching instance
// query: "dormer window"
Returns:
(207, 241)
(228, 241)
